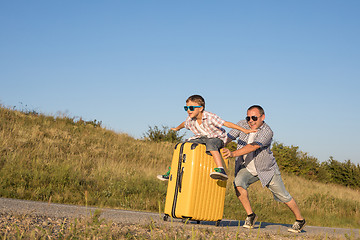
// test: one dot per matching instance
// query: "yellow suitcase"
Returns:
(192, 193)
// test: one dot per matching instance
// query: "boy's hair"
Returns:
(198, 99)
(261, 110)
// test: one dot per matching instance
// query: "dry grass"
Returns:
(43, 157)
(42, 227)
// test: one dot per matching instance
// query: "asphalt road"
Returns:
(15, 206)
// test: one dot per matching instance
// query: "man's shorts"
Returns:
(244, 179)
(212, 144)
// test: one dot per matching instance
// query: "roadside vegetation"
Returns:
(94, 227)
(66, 160)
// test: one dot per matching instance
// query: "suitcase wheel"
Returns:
(166, 217)
(185, 219)
(218, 223)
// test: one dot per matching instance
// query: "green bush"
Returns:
(346, 174)
(291, 160)
(165, 134)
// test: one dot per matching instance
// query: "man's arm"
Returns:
(242, 151)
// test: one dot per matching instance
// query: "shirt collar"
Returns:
(205, 115)
(262, 125)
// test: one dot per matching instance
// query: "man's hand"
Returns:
(174, 129)
(227, 153)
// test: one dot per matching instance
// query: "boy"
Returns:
(208, 130)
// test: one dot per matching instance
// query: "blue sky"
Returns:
(132, 64)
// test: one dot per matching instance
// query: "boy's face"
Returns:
(197, 111)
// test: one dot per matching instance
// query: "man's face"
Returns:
(196, 112)
(255, 114)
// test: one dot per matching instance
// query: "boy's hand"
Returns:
(227, 153)
(247, 131)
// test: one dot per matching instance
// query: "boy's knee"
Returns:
(215, 153)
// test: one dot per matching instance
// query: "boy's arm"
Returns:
(181, 126)
(237, 127)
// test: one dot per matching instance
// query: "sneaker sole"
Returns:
(161, 178)
(248, 226)
(296, 231)
(219, 176)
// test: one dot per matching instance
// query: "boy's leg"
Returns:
(217, 158)
(213, 145)
(219, 172)
(164, 177)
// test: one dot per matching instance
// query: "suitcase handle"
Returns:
(180, 178)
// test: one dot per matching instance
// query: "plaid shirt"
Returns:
(264, 160)
(211, 123)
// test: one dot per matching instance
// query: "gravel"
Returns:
(35, 220)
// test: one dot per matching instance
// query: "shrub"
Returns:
(346, 174)
(294, 161)
(163, 135)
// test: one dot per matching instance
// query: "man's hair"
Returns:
(261, 110)
(198, 99)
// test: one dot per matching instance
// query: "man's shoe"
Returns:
(250, 221)
(297, 226)
(164, 177)
(219, 173)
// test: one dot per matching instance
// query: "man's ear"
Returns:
(263, 117)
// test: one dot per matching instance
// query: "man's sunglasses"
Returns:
(254, 118)
(191, 108)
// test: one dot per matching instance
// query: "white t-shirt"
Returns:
(201, 129)
(249, 158)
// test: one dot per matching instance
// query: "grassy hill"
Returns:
(61, 160)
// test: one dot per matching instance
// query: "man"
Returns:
(254, 162)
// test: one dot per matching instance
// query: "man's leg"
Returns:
(277, 187)
(243, 180)
(300, 221)
(243, 196)
(295, 209)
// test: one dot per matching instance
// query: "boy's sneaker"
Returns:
(164, 177)
(297, 226)
(219, 173)
(250, 221)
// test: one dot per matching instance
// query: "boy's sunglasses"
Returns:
(191, 108)
(254, 118)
